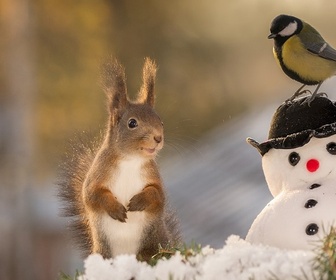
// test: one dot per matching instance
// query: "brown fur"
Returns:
(86, 177)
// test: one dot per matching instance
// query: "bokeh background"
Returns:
(215, 66)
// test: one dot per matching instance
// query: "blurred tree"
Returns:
(72, 39)
(17, 137)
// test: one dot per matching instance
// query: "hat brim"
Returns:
(294, 140)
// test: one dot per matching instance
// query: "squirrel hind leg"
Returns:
(154, 236)
(164, 233)
(102, 247)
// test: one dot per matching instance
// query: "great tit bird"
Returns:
(302, 53)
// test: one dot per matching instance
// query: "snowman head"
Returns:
(305, 167)
(301, 149)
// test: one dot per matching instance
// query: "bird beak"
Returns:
(272, 36)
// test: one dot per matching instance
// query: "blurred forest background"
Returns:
(215, 63)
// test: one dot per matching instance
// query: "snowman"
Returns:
(299, 164)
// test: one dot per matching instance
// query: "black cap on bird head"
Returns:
(294, 124)
(284, 26)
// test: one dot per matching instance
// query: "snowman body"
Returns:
(303, 183)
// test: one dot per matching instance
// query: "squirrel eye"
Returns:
(293, 158)
(331, 148)
(132, 123)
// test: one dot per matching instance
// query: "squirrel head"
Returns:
(134, 126)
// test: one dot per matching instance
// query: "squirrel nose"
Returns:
(158, 139)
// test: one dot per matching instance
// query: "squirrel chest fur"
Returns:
(127, 181)
(114, 192)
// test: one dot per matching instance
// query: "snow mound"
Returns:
(238, 259)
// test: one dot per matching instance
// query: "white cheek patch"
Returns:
(289, 29)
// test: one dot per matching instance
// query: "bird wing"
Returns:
(314, 43)
(323, 50)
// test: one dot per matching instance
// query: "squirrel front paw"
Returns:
(118, 212)
(137, 203)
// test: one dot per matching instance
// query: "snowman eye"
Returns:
(331, 148)
(293, 158)
(310, 203)
(312, 229)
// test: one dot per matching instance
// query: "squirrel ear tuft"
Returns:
(147, 94)
(113, 81)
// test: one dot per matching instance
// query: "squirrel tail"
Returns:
(173, 226)
(70, 182)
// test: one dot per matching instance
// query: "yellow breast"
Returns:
(307, 65)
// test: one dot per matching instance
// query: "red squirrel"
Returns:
(114, 192)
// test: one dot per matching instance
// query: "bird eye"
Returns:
(331, 148)
(132, 123)
(293, 158)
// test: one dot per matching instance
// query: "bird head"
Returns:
(284, 26)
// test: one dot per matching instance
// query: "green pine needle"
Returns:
(64, 276)
(168, 251)
(325, 261)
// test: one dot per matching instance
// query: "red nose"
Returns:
(312, 165)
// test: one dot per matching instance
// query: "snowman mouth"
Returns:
(321, 177)
(328, 174)
(314, 186)
(317, 185)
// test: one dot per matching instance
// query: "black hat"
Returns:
(294, 124)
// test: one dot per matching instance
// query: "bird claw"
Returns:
(297, 94)
(322, 94)
(315, 94)
(307, 100)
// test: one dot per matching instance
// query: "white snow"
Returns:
(238, 259)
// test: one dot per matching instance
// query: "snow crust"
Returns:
(238, 259)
